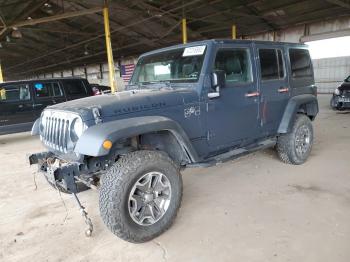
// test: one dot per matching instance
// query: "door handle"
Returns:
(283, 90)
(20, 106)
(252, 94)
(37, 105)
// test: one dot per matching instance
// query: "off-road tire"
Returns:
(286, 143)
(116, 185)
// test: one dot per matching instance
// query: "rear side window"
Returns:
(271, 64)
(300, 63)
(11, 93)
(236, 64)
(75, 87)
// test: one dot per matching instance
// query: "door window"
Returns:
(236, 65)
(42, 90)
(75, 87)
(14, 93)
(56, 90)
(300, 63)
(271, 64)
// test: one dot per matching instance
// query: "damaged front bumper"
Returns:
(59, 173)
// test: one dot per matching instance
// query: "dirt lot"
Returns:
(251, 209)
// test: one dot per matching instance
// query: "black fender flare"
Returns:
(294, 104)
(90, 142)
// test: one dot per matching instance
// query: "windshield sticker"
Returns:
(194, 50)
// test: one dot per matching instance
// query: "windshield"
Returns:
(347, 79)
(181, 65)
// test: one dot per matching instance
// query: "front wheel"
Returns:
(295, 146)
(140, 195)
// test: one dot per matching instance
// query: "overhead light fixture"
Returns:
(16, 33)
(47, 8)
(86, 51)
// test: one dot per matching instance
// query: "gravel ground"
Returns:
(254, 208)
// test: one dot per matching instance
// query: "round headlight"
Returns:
(78, 127)
(337, 92)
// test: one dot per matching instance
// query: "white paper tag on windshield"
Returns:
(194, 50)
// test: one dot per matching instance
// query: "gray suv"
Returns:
(196, 104)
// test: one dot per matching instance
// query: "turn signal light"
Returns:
(107, 144)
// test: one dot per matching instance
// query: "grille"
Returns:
(56, 133)
(55, 130)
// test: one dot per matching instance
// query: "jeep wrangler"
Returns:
(189, 105)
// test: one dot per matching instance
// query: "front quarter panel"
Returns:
(90, 143)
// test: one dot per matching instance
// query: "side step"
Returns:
(235, 153)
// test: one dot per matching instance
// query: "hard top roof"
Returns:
(225, 41)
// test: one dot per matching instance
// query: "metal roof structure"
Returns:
(137, 26)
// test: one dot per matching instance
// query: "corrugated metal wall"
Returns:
(330, 72)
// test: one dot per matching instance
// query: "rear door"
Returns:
(274, 86)
(16, 107)
(75, 88)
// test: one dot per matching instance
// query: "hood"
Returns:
(128, 102)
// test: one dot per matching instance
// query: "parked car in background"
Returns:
(341, 96)
(100, 89)
(21, 102)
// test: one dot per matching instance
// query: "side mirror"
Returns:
(218, 81)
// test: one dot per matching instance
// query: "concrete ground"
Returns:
(251, 209)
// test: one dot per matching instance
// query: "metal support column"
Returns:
(184, 31)
(234, 32)
(1, 77)
(112, 81)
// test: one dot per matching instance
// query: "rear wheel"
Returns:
(140, 195)
(295, 146)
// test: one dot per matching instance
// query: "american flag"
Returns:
(126, 72)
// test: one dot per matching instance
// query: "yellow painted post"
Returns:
(112, 82)
(1, 77)
(234, 32)
(184, 31)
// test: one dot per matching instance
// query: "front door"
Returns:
(232, 118)
(274, 88)
(16, 108)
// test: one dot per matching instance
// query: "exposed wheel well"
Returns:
(164, 141)
(309, 109)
